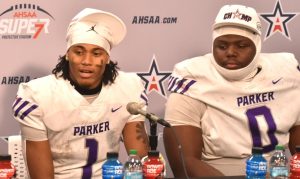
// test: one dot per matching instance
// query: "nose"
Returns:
(87, 59)
(231, 50)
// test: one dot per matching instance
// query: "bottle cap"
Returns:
(153, 153)
(298, 148)
(112, 155)
(133, 151)
(5, 157)
(279, 147)
(257, 150)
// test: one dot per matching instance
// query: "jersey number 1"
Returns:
(92, 145)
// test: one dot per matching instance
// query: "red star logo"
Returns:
(236, 14)
(278, 21)
(154, 78)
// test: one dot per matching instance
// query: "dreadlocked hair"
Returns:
(62, 70)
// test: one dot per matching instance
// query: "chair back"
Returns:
(17, 159)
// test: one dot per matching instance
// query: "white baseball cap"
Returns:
(96, 27)
(238, 15)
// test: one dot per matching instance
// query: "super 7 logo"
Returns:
(24, 22)
(24, 26)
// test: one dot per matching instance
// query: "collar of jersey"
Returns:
(84, 91)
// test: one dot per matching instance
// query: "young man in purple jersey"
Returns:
(70, 119)
(226, 102)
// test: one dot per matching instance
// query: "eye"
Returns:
(78, 52)
(221, 46)
(98, 53)
(244, 44)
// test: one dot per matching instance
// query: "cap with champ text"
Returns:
(238, 15)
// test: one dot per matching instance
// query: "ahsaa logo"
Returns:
(24, 21)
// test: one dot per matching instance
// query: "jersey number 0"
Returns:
(254, 128)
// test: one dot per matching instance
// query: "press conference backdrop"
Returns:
(160, 34)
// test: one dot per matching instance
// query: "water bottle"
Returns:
(133, 166)
(153, 167)
(295, 164)
(112, 168)
(279, 164)
(7, 169)
(256, 164)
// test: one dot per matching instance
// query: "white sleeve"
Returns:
(33, 134)
(28, 113)
(184, 110)
(297, 65)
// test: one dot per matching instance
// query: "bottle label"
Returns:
(7, 172)
(153, 170)
(295, 164)
(133, 175)
(112, 170)
(279, 171)
(255, 168)
(295, 168)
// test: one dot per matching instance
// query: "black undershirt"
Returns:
(85, 91)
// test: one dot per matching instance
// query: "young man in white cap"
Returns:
(72, 118)
(226, 102)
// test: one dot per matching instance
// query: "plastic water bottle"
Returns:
(279, 164)
(7, 169)
(153, 167)
(133, 166)
(112, 168)
(256, 164)
(295, 164)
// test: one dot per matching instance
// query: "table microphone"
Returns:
(135, 108)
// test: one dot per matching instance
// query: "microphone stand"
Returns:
(153, 133)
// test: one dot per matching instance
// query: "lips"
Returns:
(231, 64)
(85, 73)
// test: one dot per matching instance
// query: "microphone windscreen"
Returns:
(133, 108)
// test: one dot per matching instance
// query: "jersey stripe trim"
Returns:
(16, 102)
(144, 97)
(180, 86)
(33, 107)
(172, 83)
(187, 86)
(22, 106)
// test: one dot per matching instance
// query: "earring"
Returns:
(67, 57)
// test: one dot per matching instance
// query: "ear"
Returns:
(67, 57)
(108, 60)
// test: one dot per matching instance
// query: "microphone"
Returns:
(135, 108)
